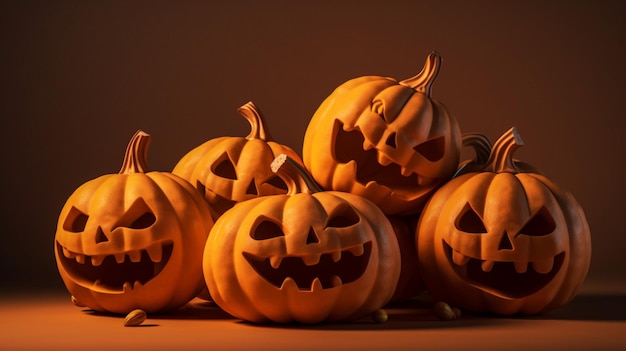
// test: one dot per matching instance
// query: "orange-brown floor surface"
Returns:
(592, 321)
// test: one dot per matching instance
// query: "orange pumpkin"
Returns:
(503, 240)
(133, 240)
(410, 283)
(308, 256)
(227, 170)
(385, 140)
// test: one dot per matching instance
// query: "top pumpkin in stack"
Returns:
(228, 170)
(385, 140)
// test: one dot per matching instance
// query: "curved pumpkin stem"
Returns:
(257, 123)
(136, 156)
(297, 178)
(501, 157)
(481, 145)
(424, 80)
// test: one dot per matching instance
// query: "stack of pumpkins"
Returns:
(378, 209)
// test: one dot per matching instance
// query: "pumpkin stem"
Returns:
(297, 178)
(257, 123)
(424, 80)
(501, 157)
(481, 145)
(136, 156)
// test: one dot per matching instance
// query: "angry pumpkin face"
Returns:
(386, 140)
(131, 240)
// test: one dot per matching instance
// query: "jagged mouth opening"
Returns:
(351, 145)
(323, 271)
(116, 273)
(506, 279)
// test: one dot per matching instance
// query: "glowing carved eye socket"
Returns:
(75, 221)
(344, 216)
(266, 229)
(432, 149)
(541, 223)
(138, 216)
(470, 222)
(224, 168)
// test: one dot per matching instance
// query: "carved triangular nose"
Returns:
(505, 242)
(312, 237)
(252, 188)
(100, 236)
(391, 140)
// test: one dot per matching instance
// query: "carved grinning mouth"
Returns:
(507, 279)
(372, 165)
(120, 272)
(310, 273)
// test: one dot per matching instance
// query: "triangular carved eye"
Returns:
(541, 223)
(277, 182)
(342, 217)
(75, 221)
(266, 229)
(470, 222)
(224, 168)
(432, 149)
(138, 216)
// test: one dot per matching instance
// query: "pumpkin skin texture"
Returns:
(133, 240)
(385, 140)
(503, 240)
(227, 170)
(305, 257)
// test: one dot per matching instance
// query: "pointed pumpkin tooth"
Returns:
(311, 260)
(405, 171)
(543, 266)
(155, 252)
(367, 145)
(357, 250)
(80, 258)
(67, 253)
(275, 261)
(520, 267)
(316, 285)
(119, 257)
(336, 281)
(424, 181)
(336, 255)
(137, 284)
(135, 255)
(289, 284)
(487, 265)
(96, 260)
(127, 287)
(383, 159)
(459, 259)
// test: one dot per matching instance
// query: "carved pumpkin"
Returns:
(386, 140)
(308, 256)
(133, 240)
(227, 170)
(503, 240)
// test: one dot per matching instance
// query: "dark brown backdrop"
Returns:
(78, 78)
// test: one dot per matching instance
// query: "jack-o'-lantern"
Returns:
(308, 256)
(385, 140)
(503, 240)
(227, 170)
(133, 240)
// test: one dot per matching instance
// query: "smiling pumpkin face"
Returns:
(386, 140)
(133, 240)
(302, 258)
(503, 241)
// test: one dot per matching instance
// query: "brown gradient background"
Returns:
(78, 78)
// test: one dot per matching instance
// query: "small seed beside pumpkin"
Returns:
(444, 312)
(380, 316)
(135, 318)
